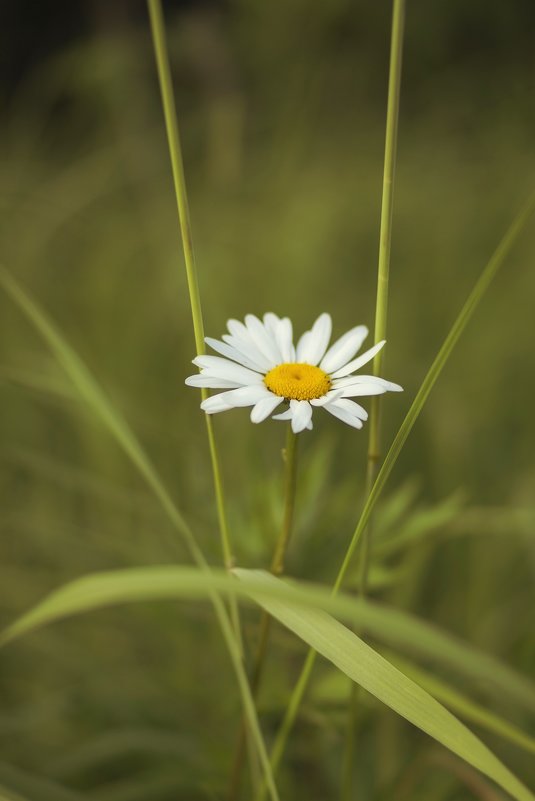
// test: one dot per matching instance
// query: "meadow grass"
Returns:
(139, 702)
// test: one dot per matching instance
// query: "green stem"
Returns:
(471, 303)
(381, 314)
(385, 242)
(175, 152)
(277, 567)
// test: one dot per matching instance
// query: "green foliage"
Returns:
(282, 114)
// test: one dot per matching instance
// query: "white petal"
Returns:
(344, 349)
(343, 415)
(281, 329)
(302, 345)
(264, 407)
(302, 414)
(285, 340)
(312, 349)
(215, 404)
(231, 352)
(218, 367)
(329, 397)
(249, 350)
(271, 322)
(287, 415)
(365, 379)
(263, 339)
(363, 390)
(209, 382)
(243, 396)
(350, 367)
(352, 408)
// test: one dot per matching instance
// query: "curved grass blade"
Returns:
(463, 706)
(387, 625)
(315, 627)
(340, 646)
(96, 399)
(433, 373)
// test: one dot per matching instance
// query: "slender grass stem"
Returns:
(381, 314)
(385, 241)
(175, 152)
(277, 567)
(431, 377)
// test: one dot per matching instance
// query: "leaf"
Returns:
(482, 284)
(388, 625)
(91, 392)
(291, 606)
(464, 706)
(370, 670)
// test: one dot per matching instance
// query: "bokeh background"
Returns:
(282, 112)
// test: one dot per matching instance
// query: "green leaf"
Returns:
(291, 605)
(482, 284)
(390, 626)
(91, 392)
(465, 707)
(374, 673)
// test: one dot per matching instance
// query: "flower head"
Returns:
(259, 366)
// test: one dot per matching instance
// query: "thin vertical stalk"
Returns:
(381, 314)
(175, 152)
(277, 568)
(496, 261)
(385, 241)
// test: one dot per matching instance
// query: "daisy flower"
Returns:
(260, 366)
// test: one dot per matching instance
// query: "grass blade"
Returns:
(434, 372)
(366, 667)
(390, 626)
(92, 394)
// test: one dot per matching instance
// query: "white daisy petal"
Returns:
(262, 338)
(363, 390)
(364, 358)
(365, 379)
(230, 352)
(249, 350)
(218, 367)
(352, 408)
(314, 346)
(264, 407)
(329, 397)
(344, 349)
(287, 415)
(343, 415)
(301, 415)
(281, 329)
(243, 396)
(271, 322)
(215, 404)
(237, 329)
(285, 340)
(256, 347)
(302, 345)
(209, 382)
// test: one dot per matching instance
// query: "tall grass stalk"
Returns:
(277, 568)
(175, 152)
(381, 314)
(91, 392)
(470, 305)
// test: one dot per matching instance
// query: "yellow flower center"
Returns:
(297, 381)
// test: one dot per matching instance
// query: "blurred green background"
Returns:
(282, 111)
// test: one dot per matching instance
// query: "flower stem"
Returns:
(277, 567)
(175, 152)
(381, 311)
